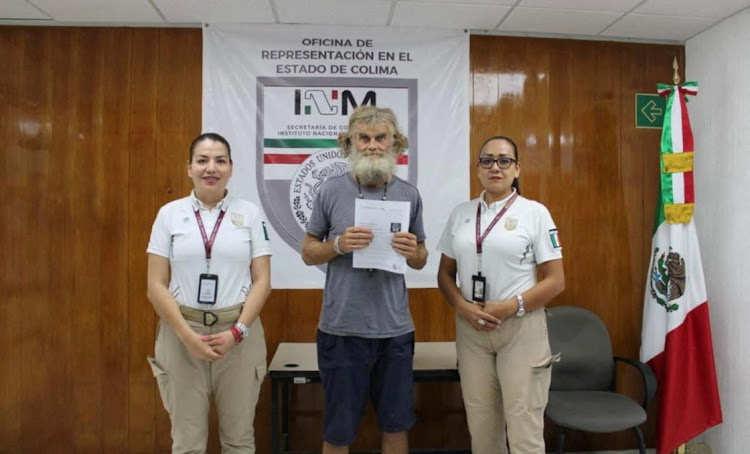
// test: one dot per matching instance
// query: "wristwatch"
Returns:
(243, 329)
(521, 308)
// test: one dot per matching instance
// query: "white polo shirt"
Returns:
(524, 237)
(241, 237)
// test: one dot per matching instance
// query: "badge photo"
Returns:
(478, 288)
(208, 288)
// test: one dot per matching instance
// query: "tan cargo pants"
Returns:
(186, 385)
(505, 377)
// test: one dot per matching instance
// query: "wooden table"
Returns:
(297, 364)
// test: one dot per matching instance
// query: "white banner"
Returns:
(281, 95)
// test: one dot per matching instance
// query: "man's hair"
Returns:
(370, 116)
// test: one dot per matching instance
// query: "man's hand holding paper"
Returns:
(388, 251)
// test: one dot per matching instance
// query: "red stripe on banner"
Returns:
(277, 158)
(688, 393)
(687, 130)
(689, 191)
(687, 142)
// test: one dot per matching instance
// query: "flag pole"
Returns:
(676, 81)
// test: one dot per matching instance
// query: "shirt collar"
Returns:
(198, 205)
(495, 206)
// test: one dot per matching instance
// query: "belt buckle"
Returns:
(205, 318)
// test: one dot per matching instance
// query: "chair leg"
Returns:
(561, 440)
(641, 443)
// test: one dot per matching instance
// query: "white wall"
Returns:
(719, 60)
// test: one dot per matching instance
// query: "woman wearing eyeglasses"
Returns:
(496, 245)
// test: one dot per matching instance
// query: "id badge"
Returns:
(478, 287)
(208, 288)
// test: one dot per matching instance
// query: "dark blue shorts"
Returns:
(352, 368)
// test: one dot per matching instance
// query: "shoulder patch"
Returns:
(554, 238)
(265, 230)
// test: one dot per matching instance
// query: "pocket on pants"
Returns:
(161, 380)
(540, 379)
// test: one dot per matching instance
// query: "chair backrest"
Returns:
(586, 362)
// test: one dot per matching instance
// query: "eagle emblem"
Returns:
(667, 278)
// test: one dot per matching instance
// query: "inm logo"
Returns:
(328, 102)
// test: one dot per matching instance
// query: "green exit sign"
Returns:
(649, 110)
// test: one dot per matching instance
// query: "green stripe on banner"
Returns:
(660, 217)
(300, 143)
(667, 146)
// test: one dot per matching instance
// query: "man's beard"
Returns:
(372, 168)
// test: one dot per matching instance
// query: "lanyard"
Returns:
(481, 236)
(359, 189)
(208, 243)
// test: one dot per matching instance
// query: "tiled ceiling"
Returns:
(672, 21)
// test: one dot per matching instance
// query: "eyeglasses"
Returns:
(503, 162)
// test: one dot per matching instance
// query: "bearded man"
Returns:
(366, 334)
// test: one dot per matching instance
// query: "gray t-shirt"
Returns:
(360, 302)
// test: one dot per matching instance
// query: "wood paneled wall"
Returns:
(570, 106)
(95, 124)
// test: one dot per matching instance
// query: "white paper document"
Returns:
(384, 218)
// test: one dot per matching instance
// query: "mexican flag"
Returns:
(676, 338)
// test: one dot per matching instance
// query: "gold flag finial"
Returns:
(676, 75)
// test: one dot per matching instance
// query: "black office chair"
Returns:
(582, 392)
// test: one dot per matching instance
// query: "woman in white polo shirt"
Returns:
(208, 279)
(496, 244)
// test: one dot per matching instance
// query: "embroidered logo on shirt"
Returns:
(554, 239)
(238, 219)
(511, 224)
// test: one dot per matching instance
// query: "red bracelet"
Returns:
(236, 333)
